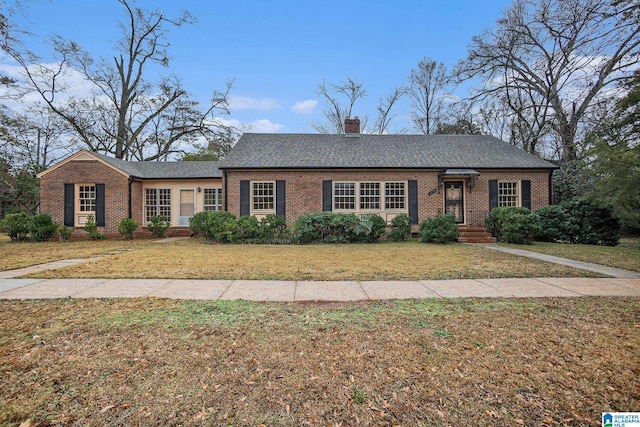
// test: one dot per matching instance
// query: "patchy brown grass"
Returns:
(23, 254)
(626, 255)
(555, 362)
(193, 259)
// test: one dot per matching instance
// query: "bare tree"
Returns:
(123, 107)
(427, 89)
(385, 108)
(337, 110)
(551, 60)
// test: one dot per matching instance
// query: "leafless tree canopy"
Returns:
(551, 61)
(427, 89)
(340, 100)
(127, 115)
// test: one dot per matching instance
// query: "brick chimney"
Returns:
(352, 126)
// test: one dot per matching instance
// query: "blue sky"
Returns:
(278, 51)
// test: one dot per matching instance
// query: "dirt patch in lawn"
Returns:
(427, 362)
(193, 259)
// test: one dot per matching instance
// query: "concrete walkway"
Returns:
(266, 290)
(596, 268)
(621, 283)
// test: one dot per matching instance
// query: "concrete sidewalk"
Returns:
(265, 290)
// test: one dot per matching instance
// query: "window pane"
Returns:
(263, 196)
(212, 199)
(344, 196)
(508, 193)
(370, 195)
(157, 201)
(394, 195)
(87, 198)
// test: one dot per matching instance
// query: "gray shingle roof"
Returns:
(284, 151)
(165, 170)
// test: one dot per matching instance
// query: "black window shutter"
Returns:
(100, 205)
(413, 201)
(493, 194)
(244, 198)
(327, 196)
(525, 186)
(69, 201)
(281, 198)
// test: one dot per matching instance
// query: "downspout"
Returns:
(551, 187)
(224, 186)
(130, 202)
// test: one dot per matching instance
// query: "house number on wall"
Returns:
(432, 192)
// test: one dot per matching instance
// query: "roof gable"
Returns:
(316, 151)
(146, 170)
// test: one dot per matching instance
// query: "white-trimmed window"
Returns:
(263, 196)
(369, 197)
(394, 196)
(344, 196)
(212, 199)
(87, 198)
(508, 193)
(157, 202)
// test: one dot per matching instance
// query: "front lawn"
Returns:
(555, 362)
(23, 254)
(194, 259)
(626, 255)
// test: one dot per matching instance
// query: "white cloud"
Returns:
(264, 126)
(248, 103)
(304, 107)
(257, 126)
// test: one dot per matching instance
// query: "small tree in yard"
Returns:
(126, 228)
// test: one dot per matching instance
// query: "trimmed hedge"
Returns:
(400, 227)
(441, 229)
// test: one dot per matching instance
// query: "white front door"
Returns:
(187, 206)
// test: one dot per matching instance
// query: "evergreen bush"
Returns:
(126, 228)
(42, 227)
(91, 228)
(17, 226)
(511, 224)
(158, 225)
(400, 227)
(441, 229)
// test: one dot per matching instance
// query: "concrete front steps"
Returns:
(474, 234)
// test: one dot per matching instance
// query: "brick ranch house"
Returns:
(295, 174)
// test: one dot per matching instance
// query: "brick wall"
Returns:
(304, 188)
(116, 191)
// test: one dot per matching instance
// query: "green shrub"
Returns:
(247, 229)
(273, 229)
(158, 225)
(510, 224)
(330, 227)
(17, 226)
(400, 227)
(215, 226)
(441, 229)
(595, 223)
(42, 228)
(556, 224)
(197, 223)
(377, 226)
(64, 232)
(91, 227)
(126, 228)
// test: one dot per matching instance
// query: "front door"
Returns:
(187, 206)
(454, 200)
